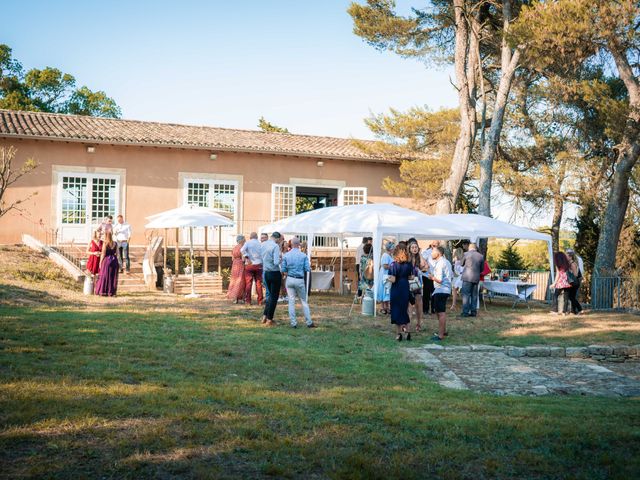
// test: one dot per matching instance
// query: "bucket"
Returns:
(346, 286)
(88, 285)
(168, 285)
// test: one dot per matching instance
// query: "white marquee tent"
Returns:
(381, 219)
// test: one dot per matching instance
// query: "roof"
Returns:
(85, 129)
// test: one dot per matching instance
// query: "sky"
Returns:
(227, 63)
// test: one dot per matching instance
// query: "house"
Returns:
(92, 167)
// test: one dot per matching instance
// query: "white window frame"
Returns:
(348, 190)
(274, 187)
(211, 182)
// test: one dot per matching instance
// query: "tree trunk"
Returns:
(558, 207)
(465, 68)
(509, 64)
(618, 198)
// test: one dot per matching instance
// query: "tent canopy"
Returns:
(382, 219)
(188, 216)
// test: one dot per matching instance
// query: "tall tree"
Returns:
(48, 90)
(573, 32)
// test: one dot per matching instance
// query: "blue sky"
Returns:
(225, 63)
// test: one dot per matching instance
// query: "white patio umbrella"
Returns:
(190, 216)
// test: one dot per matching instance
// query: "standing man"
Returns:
(122, 234)
(473, 263)
(295, 265)
(442, 277)
(427, 283)
(251, 253)
(270, 251)
(263, 238)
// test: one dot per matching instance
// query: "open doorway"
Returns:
(313, 198)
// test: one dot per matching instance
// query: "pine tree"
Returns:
(510, 259)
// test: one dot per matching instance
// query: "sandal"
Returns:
(408, 336)
(399, 337)
(418, 328)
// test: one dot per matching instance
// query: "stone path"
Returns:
(489, 369)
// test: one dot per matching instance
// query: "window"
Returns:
(224, 198)
(103, 198)
(353, 196)
(283, 201)
(74, 200)
(198, 194)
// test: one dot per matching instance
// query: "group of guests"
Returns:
(109, 255)
(423, 280)
(272, 262)
(569, 268)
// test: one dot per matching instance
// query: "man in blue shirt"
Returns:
(270, 251)
(295, 265)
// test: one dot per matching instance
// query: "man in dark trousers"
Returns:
(473, 263)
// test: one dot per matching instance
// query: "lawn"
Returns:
(158, 387)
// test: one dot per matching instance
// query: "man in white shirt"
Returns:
(427, 283)
(253, 267)
(442, 277)
(122, 235)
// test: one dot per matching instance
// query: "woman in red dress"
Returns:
(236, 279)
(94, 250)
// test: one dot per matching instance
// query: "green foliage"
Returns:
(48, 90)
(510, 259)
(587, 233)
(266, 126)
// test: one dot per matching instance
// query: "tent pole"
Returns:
(164, 248)
(341, 249)
(377, 252)
(219, 251)
(177, 259)
(206, 257)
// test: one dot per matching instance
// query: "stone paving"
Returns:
(496, 370)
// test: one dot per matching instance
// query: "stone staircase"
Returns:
(134, 282)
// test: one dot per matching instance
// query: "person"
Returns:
(107, 284)
(456, 285)
(106, 225)
(486, 270)
(263, 238)
(421, 266)
(359, 253)
(365, 283)
(295, 265)
(427, 283)
(400, 272)
(270, 252)
(251, 253)
(576, 269)
(236, 291)
(473, 263)
(561, 284)
(94, 250)
(382, 295)
(122, 234)
(442, 277)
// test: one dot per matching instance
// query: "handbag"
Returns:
(414, 285)
(571, 278)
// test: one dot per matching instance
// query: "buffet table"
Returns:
(520, 291)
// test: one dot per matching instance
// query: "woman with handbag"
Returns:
(415, 285)
(575, 278)
(400, 272)
(561, 285)
(384, 286)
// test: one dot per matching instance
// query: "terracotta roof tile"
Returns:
(132, 132)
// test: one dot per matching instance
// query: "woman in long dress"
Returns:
(383, 286)
(94, 250)
(400, 272)
(107, 284)
(236, 279)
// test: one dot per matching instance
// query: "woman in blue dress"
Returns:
(400, 272)
(383, 286)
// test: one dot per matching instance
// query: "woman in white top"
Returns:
(383, 286)
(458, 254)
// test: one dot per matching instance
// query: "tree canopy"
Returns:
(49, 90)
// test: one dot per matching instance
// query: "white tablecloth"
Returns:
(514, 289)
(321, 280)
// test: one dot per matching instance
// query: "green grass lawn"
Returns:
(150, 387)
